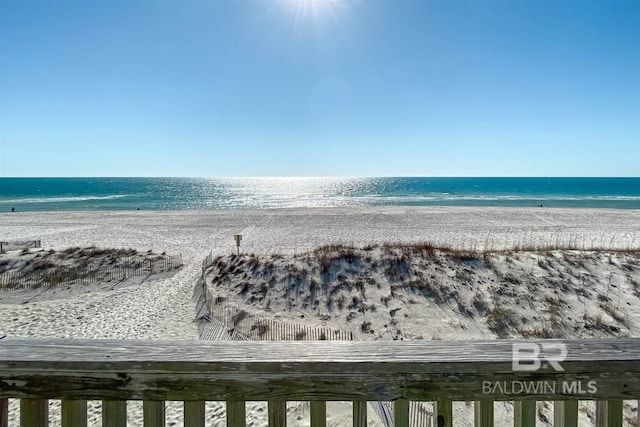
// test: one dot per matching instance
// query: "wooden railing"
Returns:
(34, 370)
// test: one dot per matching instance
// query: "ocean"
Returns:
(73, 194)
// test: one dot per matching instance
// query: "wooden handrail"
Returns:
(75, 369)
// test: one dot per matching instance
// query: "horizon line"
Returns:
(324, 177)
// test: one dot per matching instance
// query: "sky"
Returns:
(217, 88)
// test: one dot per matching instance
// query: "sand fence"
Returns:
(20, 245)
(93, 274)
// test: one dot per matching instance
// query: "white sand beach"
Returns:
(163, 308)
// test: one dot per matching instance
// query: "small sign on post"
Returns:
(238, 237)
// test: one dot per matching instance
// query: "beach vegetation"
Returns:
(239, 316)
(365, 327)
(515, 293)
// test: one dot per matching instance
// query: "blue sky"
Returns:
(216, 88)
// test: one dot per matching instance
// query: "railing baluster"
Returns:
(236, 414)
(609, 413)
(4, 412)
(34, 412)
(359, 413)
(524, 413)
(277, 413)
(483, 413)
(401, 413)
(114, 413)
(601, 413)
(153, 413)
(74, 413)
(565, 413)
(194, 413)
(615, 413)
(318, 414)
(443, 413)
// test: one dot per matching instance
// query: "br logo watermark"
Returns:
(531, 357)
(526, 357)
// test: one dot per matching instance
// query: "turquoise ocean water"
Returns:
(46, 194)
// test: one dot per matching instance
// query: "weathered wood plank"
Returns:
(194, 413)
(153, 413)
(34, 413)
(401, 413)
(483, 413)
(236, 414)
(443, 413)
(359, 413)
(524, 413)
(74, 413)
(114, 413)
(361, 351)
(318, 414)
(4, 412)
(565, 413)
(323, 370)
(277, 410)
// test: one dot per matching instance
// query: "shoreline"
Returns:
(274, 229)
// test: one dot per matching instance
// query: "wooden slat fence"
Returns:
(114, 371)
(206, 263)
(104, 273)
(20, 245)
(238, 321)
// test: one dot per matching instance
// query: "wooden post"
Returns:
(114, 413)
(524, 413)
(34, 412)
(277, 413)
(443, 413)
(401, 413)
(483, 413)
(565, 413)
(74, 413)
(238, 238)
(153, 413)
(359, 413)
(4, 412)
(236, 414)
(318, 414)
(194, 413)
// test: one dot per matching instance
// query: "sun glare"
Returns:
(315, 10)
